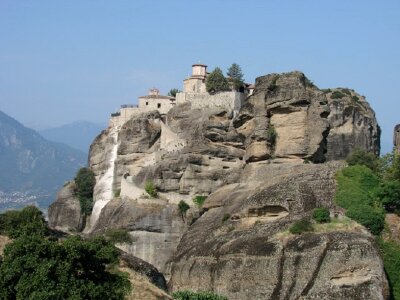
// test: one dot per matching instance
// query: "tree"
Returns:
(363, 158)
(85, 182)
(389, 195)
(29, 220)
(236, 76)
(216, 82)
(38, 268)
(173, 92)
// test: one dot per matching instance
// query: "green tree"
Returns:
(29, 220)
(85, 181)
(183, 207)
(38, 268)
(389, 195)
(173, 92)
(236, 76)
(216, 82)
(363, 158)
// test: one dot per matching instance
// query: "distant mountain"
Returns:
(32, 168)
(78, 135)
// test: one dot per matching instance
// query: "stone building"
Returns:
(197, 82)
(155, 101)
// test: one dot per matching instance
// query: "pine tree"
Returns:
(216, 81)
(236, 76)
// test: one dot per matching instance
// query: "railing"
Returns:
(128, 106)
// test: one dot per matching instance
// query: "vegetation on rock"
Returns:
(301, 226)
(199, 200)
(84, 182)
(363, 158)
(183, 207)
(337, 95)
(189, 295)
(391, 259)
(321, 215)
(151, 189)
(216, 82)
(118, 235)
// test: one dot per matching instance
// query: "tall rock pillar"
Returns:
(396, 138)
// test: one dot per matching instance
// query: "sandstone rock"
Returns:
(237, 247)
(65, 212)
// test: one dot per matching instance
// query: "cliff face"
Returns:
(396, 138)
(263, 169)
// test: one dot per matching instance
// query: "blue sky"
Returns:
(67, 60)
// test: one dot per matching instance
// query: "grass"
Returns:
(199, 200)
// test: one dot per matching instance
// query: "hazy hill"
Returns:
(31, 167)
(78, 135)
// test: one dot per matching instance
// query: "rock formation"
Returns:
(262, 169)
(396, 138)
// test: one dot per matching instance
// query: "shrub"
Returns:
(151, 189)
(321, 215)
(301, 226)
(117, 193)
(372, 218)
(357, 186)
(337, 95)
(363, 158)
(118, 235)
(355, 98)
(271, 134)
(391, 259)
(225, 217)
(199, 200)
(346, 91)
(28, 221)
(216, 81)
(84, 184)
(189, 295)
(183, 207)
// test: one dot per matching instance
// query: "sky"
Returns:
(68, 60)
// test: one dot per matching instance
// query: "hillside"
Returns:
(32, 167)
(78, 135)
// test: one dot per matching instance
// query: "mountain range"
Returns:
(32, 168)
(78, 135)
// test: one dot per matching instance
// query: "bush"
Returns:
(28, 221)
(151, 189)
(389, 195)
(118, 235)
(271, 134)
(337, 95)
(183, 207)
(357, 186)
(391, 259)
(199, 200)
(216, 82)
(117, 193)
(84, 183)
(226, 217)
(355, 98)
(189, 295)
(321, 215)
(371, 218)
(301, 226)
(273, 86)
(38, 268)
(363, 158)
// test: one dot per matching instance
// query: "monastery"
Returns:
(194, 91)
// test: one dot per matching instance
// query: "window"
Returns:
(158, 105)
(147, 103)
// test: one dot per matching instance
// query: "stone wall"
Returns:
(160, 104)
(231, 101)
